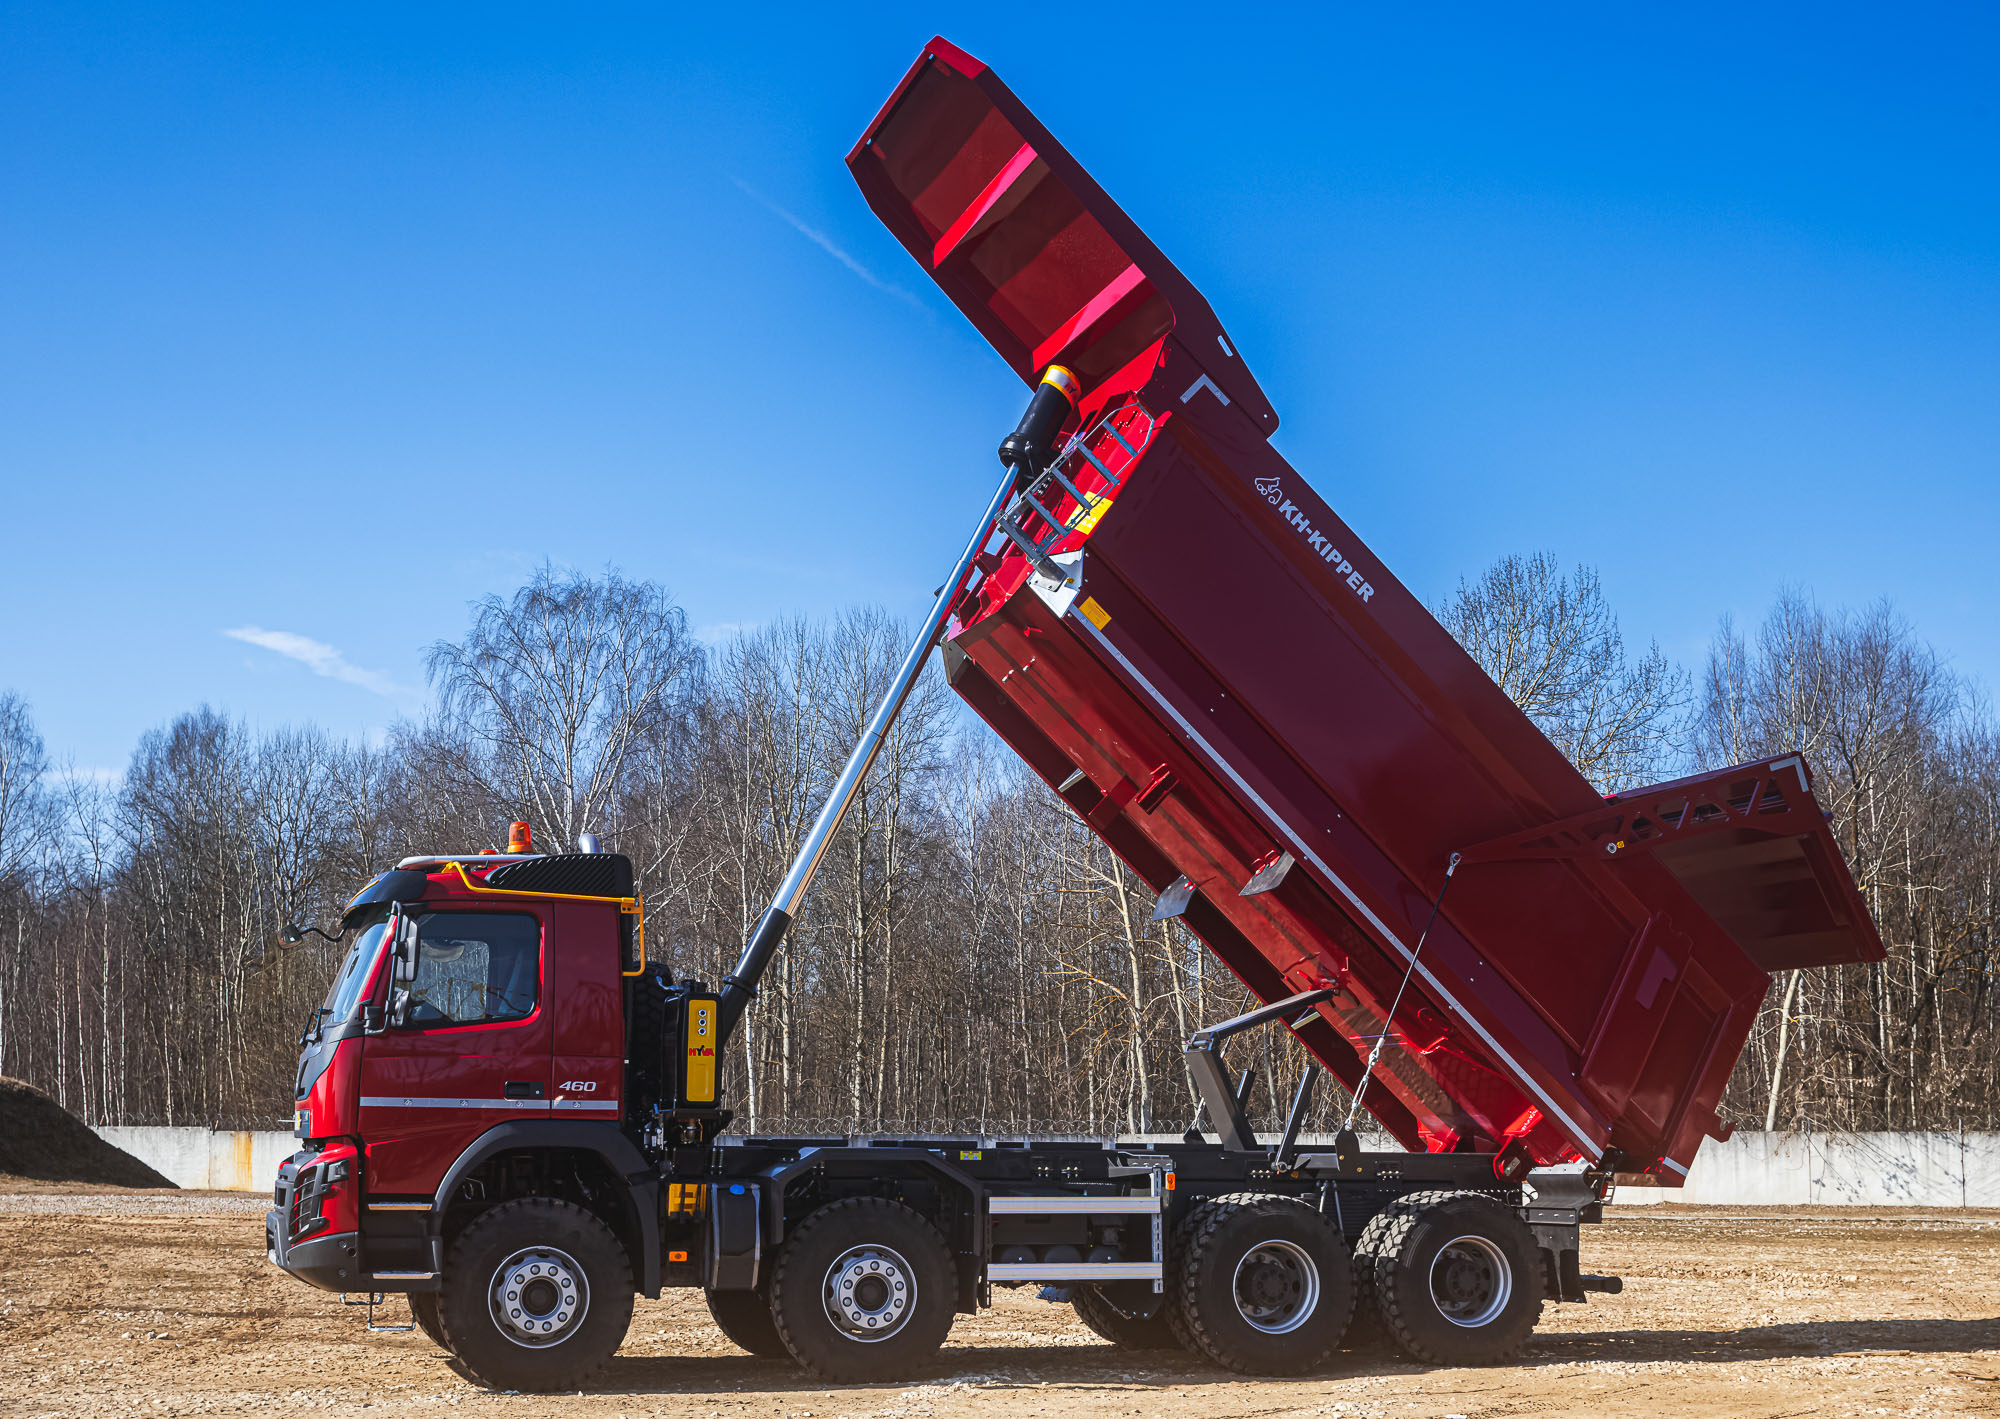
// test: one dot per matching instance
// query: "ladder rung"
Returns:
(1031, 549)
(1098, 464)
(1055, 523)
(1082, 498)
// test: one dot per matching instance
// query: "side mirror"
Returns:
(402, 967)
(291, 933)
(403, 954)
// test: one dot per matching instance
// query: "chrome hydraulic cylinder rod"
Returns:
(739, 987)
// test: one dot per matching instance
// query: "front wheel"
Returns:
(863, 1290)
(536, 1295)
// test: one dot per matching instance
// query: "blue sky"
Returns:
(317, 323)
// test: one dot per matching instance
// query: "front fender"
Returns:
(620, 1154)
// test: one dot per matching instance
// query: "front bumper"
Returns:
(314, 1230)
(331, 1262)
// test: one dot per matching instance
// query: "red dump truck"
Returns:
(508, 1113)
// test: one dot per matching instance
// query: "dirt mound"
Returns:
(41, 1139)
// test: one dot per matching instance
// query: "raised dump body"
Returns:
(1212, 669)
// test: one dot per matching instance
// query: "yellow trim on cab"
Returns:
(627, 906)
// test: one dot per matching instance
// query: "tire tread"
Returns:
(828, 1216)
(1193, 1239)
(1403, 1216)
(497, 1217)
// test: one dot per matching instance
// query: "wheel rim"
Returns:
(869, 1291)
(538, 1297)
(1276, 1287)
(1471, 1281)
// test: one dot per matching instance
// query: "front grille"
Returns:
(307, 1204)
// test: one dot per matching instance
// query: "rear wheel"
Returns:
(1263, 1284)
(536, 1295)
(1366, 1330)
(745, 1318)
(863, 1290)
(1128, 1329)
(424, 1311)
(1458, 1279)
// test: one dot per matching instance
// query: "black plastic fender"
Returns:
(642, 1181)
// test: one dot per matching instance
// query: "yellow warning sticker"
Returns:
(1085, 519)
(1097, 615)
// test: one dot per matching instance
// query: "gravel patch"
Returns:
(133, 1204)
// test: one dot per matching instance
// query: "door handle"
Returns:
(525, 1089)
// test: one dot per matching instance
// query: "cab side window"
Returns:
(474, 968)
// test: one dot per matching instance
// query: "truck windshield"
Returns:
(346, 991)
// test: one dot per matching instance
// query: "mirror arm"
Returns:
(291, 934)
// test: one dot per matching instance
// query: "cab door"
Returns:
(467, 1045)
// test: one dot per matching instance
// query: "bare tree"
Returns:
(557, 683)
(24, 816)
(24, 822)
(1550, 640)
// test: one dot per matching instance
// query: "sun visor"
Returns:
(1046, 266)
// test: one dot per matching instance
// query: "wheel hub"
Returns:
(1276, 1287)
(538, 1297)
(868, 1293)
(1471, 1281)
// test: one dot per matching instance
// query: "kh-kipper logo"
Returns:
(1314, 538)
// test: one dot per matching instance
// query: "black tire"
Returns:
(744, 1317)
(1367, 1331)
(424, 1311)
(875, 1263)
(1128, 1330)
(1458, 1278)
(555, 1261)
(1262, 1284)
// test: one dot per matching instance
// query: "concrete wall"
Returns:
(1750, 1170)
(1840, 1170)
(231, 1160)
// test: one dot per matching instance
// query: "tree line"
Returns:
(971, 956)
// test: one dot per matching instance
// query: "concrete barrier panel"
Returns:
(237, 1160)
(1889, 1169)
(1980, 1169)
(1838, 1170)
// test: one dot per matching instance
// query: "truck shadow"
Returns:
(1004, 1366)
(1913, 1335)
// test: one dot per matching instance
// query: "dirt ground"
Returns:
(162, 1304)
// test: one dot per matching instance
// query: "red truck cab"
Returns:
(479, 1004)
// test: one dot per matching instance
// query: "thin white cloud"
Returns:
(321, 659)
(826, 243)
(717, 633)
